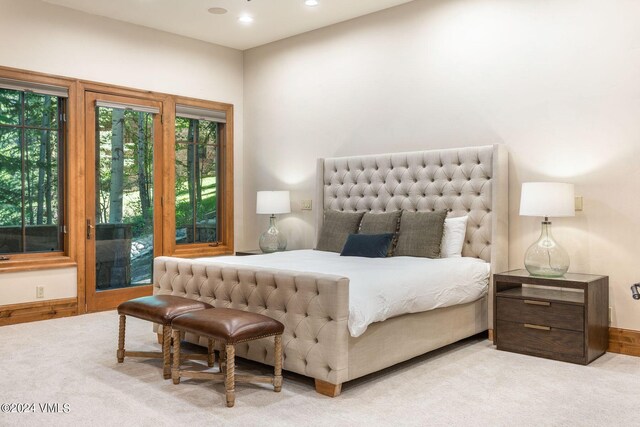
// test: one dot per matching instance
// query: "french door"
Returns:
(123, 197)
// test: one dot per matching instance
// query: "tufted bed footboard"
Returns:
(313, 307)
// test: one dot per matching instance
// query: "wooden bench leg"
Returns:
(223, 360)
(121, 331)
(229, 380)
(328, 389)
(211, 355)
(166, 351)
(175, 370)
(277, 379)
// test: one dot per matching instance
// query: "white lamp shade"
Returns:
(548, 199)
(273, 202)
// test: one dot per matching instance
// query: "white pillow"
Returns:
(453, 237)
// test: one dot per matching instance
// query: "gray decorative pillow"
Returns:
(382, 223)
(420, 234)
(336, 228)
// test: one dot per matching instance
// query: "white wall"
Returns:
(20, 287)
(41, 37)
(557, 81)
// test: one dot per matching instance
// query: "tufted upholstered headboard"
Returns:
(465, 181)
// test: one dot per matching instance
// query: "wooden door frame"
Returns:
(109, 299)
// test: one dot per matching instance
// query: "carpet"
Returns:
(71, 362)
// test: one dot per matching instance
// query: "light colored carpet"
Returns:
(72, 361)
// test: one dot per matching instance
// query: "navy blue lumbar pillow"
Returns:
(367, 245)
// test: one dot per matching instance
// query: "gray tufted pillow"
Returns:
(381, 223)
(336, 228)
(420, 234)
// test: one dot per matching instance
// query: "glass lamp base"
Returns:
(272, 240)
(545, 257)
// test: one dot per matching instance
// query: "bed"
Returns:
(324, 337)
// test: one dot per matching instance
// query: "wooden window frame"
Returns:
(30, 261)
(224, 187)
(74, 178)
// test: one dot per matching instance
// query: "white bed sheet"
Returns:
(381, 288)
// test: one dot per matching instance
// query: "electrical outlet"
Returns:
(306, 205)
(39, 291)
(578, 203)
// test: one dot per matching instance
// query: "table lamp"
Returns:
(272, 203)
(547, 199)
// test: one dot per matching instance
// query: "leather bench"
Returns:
(160, 309)
(229, 327)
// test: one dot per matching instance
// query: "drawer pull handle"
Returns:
(541, 328)
(545, 303)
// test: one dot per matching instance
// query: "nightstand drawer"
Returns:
(535, 338)
(548, 313)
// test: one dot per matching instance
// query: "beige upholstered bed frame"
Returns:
(315, 307)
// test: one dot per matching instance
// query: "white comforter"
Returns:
(381, 288)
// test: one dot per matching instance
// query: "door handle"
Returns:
(89, 228)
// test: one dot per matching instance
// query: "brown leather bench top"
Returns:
(160, 308)
(228, 325)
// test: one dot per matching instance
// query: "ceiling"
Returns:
(273, 19)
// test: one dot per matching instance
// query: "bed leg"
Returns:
(328, 389)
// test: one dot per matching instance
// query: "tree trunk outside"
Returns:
(190, 162)
(44, 142)
(101, 205)
(28, 179)
(143, 187)
(200, 154)
(117, 166)
(48, 179)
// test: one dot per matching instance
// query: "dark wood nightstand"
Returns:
(251, 252)
(570, 324)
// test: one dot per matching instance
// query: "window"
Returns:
(32, 134)
(197, 177)
(180, 203)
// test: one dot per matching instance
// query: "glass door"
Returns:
(123, 224)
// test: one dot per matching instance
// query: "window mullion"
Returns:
(23, 144)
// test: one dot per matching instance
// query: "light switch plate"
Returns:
(578, 203)
(306, 205)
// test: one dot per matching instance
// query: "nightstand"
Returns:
(251, 252)
(564, 318)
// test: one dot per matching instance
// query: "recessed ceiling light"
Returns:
(311, 2)
(245, 19)
(218, 10)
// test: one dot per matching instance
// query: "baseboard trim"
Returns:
(34, 311)
(624, 341)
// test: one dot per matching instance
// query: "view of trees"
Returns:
(31, 184)
(124, 191)
(30, 207)
(196, 178)
(124, 178)
(124, 197)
